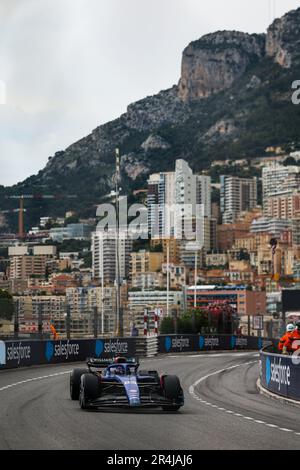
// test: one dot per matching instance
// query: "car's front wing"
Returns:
(123, 402)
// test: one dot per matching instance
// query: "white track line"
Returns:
(208, 355)
(33, 379)
(238, 415)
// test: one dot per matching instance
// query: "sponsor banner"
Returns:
(177, 343)
(214, 343)
(25, 353)
(245, 342)
(114, 346)
(2, 353)
(186, 343)
(280, 375)
(64, 351)
(18, 353)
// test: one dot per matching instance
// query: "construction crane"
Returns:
(22, 210)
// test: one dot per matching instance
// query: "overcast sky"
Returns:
(68, 66)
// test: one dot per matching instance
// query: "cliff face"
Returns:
(215, 61)
(283, 39)
(233, 100)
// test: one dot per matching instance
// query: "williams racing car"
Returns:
(119, 383)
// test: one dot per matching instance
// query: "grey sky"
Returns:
(71, 65)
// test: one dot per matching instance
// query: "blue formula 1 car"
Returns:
(119, 383)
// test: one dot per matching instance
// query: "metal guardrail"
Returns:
(194, 343)
(151, 346)
(22, 352)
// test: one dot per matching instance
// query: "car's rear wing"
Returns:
(99, 363)
(104, 362)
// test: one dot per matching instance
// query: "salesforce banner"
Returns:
(177, 343)
(26, 353)
(280, 374)
(196, 343)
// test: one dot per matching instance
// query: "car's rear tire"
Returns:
(90, 389)
(75, 382)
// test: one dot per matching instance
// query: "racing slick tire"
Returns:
(75, 382)
(90, 389)
(172, 391)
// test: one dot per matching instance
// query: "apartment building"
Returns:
(244, 302)
(273, 227)
(50, 307)
(177, 275)
(236, 195)
(172, 197)
(172, 244)
(283, 207)
(145, 261)
(104, 258)
(279, 180)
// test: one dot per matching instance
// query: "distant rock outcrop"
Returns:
(283, 39)
(155, 142)
(215, 61)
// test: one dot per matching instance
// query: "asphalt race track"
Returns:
(222, 411)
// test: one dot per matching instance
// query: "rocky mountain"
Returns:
(233, 100)
(214, 62)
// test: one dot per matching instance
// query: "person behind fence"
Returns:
(284, 345)
(292, 342)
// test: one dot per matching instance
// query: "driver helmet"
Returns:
(120, 370)
(290, 328)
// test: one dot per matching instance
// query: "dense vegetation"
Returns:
(6, 305)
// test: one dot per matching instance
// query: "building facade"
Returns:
(243, 301)
(236, 195)
(104, 257)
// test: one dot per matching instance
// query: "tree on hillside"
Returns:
(6, 305)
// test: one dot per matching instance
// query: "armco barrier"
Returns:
(194, 343)
(26, 353)
(22, 353)
(280, 374)
(151, 346)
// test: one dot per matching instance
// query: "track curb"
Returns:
(287, 401)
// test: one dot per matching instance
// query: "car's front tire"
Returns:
(90, 389)
(172, 391)
(75, 382)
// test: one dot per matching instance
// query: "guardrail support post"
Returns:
(95, 322)
(40, 320)
(16, 320)
(68, 322)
